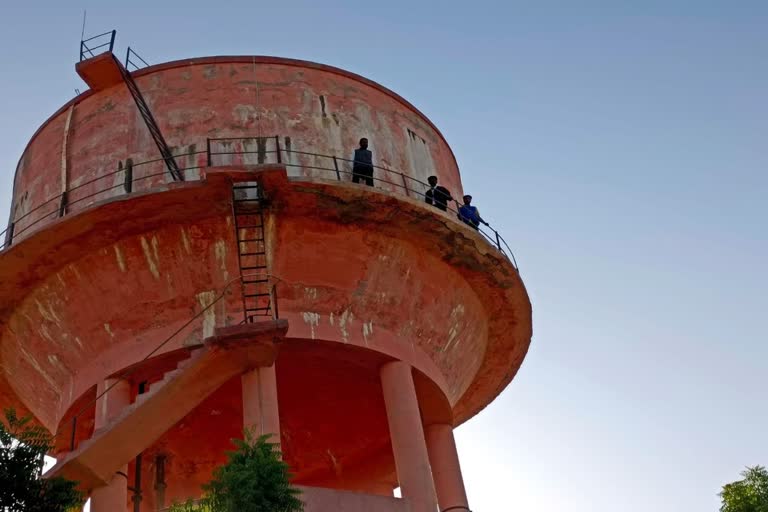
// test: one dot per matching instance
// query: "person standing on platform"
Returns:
(437, 195)
(469, 214)
(362, 166)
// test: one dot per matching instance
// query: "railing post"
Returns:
(275, 311)
(9, 235)
(208, 150)
(405, 185)
(277, 145)
(498, 243)
(63, 204)
(128, 178)
(72, 437)
(336, 166)
(112, 41)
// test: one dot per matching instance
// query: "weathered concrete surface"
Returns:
(384, 258)
(312, 107)
(325, 500)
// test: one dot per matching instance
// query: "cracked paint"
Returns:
(220, 250)
(313, 320)
(151, 256)
(205, 299)
(367, 330)
(346, 319)
(185, 241)
(120, 259)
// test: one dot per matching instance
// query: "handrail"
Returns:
(86, 50)
(406, 183)
(129, 62)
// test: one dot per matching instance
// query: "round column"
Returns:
(446, 470)
(260, 409)
(407, 434)
(114, 496)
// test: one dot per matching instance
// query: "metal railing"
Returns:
(136, 62)
(235, 151)
(97, 44)
(128, 177)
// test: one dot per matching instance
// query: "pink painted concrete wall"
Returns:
(313, 108)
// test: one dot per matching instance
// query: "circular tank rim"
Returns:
(255, 59)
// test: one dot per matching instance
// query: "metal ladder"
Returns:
(248, 215)
(149, 120)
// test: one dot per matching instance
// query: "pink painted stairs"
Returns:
(231, 351)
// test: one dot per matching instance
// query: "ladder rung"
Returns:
(260, 267)
(234, 187)
(251, 227)
(248, 295)
(246, 200)
(258, 309)
(252, 253)
(251, 240)
(256, 281)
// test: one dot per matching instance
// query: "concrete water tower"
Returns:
(187, 254)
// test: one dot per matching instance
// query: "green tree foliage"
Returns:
(22, 450)
(254, 479)
(747, 495)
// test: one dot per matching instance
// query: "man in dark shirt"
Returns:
(437, 195)
(362, 167)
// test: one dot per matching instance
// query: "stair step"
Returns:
(255, 281)
(170, 375)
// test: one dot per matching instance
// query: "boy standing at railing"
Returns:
(362, 166)
(470, 214)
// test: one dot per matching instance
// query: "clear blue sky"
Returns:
(623, 152)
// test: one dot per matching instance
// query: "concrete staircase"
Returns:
(231, 351)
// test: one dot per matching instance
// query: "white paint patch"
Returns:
(346, 319)
(454, 319)
(120, 259)
(151, 256)
(367, 331)
(48, 313)
(185, 241)
(74, 270)
(220, 249)
(331, 318)
(109, 330)
(205, 299)
(310, 293)
(313, 319)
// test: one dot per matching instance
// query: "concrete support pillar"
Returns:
(446, 471)
(407, 434)
(114, 496)
(260, 410)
